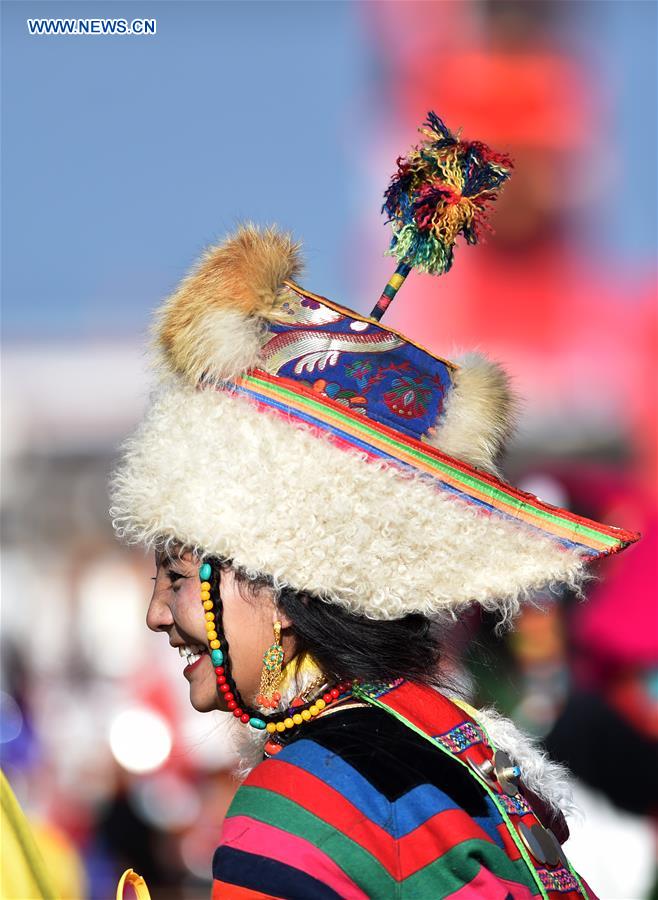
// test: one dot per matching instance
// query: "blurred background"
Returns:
(122, 158)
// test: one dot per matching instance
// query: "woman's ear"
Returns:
(267, 597)
(281, 616)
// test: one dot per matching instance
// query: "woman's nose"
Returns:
(158, 615)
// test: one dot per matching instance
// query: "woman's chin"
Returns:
(203, 700)
(203, 690)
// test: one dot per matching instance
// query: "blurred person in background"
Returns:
(608, 723)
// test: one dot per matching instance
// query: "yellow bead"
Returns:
(320, 703)
(288, 723)
(205, 595)
(313, 710)
(306, 715)
(205, 585)
(214, 645)
(271, 727)
(297, 719)
(210, 626)
(210, 617)
(212, 636)
(280, 726)
(207, 604)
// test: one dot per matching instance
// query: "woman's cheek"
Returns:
(188, 610)
(239, 635)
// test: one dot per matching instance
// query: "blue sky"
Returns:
(124, 156)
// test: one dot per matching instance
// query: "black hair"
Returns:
(346, 645)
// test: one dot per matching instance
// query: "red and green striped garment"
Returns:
(360, 804)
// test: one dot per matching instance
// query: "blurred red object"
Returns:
(535, 97)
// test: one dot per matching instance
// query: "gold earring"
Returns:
(271, 674)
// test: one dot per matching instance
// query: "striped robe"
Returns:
(360, 804)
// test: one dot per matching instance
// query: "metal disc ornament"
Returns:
(541, 843)
(507, 773)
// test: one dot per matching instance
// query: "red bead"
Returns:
(271, 748)
(221, 679)
(237, 712)
(228, 697)
(219, 670)
(276, 696)
(327, 697)
(232, 705)
(335, 693)
(244, 718)
(224, 688)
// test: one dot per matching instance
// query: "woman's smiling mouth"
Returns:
(192, 654)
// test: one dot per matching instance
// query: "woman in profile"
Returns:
(322, 498)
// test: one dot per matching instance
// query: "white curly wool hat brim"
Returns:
(210, 470)
(241, 457)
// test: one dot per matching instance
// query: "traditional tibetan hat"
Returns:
(308, 442)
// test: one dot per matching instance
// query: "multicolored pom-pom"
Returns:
(442, 189)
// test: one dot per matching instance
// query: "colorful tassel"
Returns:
(443, 188)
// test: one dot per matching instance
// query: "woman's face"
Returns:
(176, 609)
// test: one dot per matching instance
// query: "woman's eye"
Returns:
(173, 578)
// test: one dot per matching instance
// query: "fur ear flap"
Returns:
(214, 323)
(479, 414)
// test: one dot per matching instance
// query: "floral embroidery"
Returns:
(356, 363)
(408, 396)
(360, 369)
(336, 392)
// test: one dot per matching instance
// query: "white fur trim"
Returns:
(228, 344)
(209, 469)
(479, 413)
(539, 773)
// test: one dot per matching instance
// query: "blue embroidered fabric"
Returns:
(370, 370)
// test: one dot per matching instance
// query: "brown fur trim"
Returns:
(230, 290)
(479, 414)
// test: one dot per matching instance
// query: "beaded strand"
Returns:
(273, 746)
(218, 648)
(219, 655)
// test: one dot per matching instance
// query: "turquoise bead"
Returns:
(257, 723)
(205, 572)
(217, 657)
